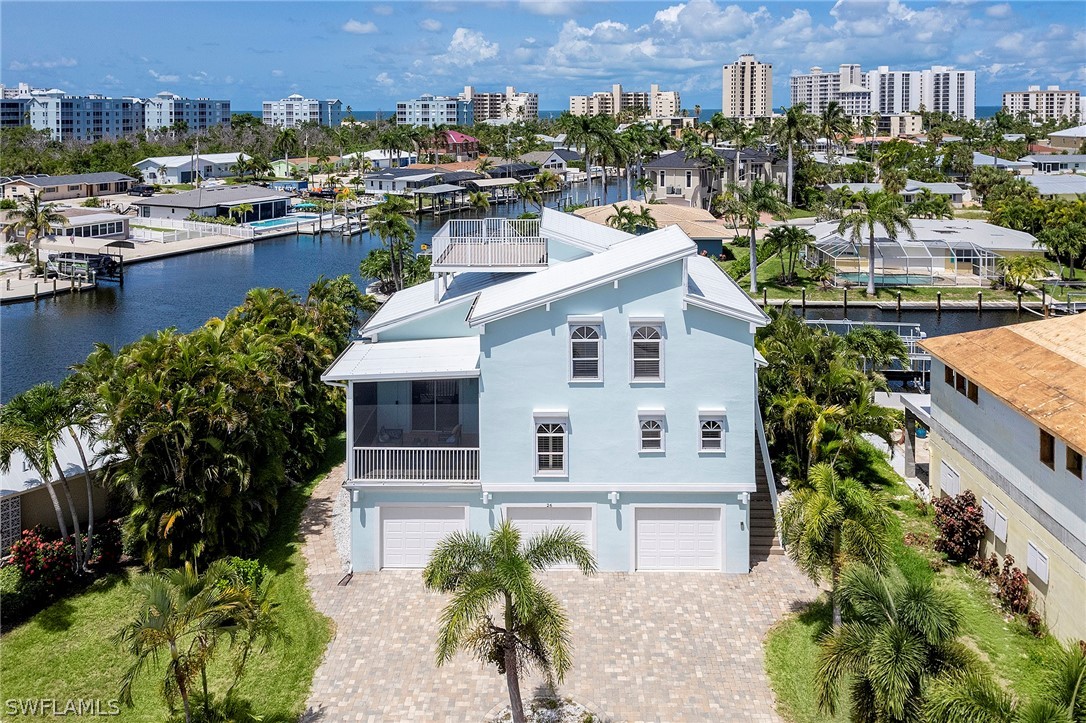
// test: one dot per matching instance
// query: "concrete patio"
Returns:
(646, 646)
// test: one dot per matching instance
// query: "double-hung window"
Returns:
(650, 425)
(551, 445)
(648, 352)
(711, 431)
(585, 352)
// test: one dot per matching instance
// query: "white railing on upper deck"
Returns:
(501, 242)
(416, 464)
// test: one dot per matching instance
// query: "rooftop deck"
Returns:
(489, 243)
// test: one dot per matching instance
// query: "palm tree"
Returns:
(387, 221)
(624, 219)
(479, 201)
(36, 220)
(788, 240)
(742, 137)
(393, 140)
(1068, 239)
(754, 200)
(830, 521)
(644, 184)
(832, 123)
(499, 569)
(875, 210)
(36, 421)
(241, 211)
(974, 697)
(1020, 270)
(182, 614)
(484, 167)
(794, 126)
(900, 637)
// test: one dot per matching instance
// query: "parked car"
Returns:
(141, 189)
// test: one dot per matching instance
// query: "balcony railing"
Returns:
(489, 242)
(416, 464)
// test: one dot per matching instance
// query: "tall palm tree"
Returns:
(484, 167)
(899, 638)
(644, 184)
(788, 241)
(241, 211)
(479, 201)
(974, 697)
(388, 222)
(830, 521)
(832, 123)
(742, 137)
(500, 570)
(36, 421)
(794, 126)
(754, 200)
(36, 220)
(871, 211)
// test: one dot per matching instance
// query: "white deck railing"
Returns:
(495, 242)
(416, 464)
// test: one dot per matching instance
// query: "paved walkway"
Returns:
(646, 647)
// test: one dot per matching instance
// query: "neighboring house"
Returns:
(25, 501)
(82, 223)
(555, 141)
(679, 176)
(285, 167)
(953, 191)
(1057, 163)
(168, 170)
(557, 373)
(59, 188)
(701, 226)
(1064, 185)
(400, 181)
(1018, 168)
(1070, 139)
(381, 158)
(216, 201)
(459, 145)
(1008, 421)
(556, 161)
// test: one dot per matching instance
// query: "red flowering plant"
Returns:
(50, 563)
(960, 522)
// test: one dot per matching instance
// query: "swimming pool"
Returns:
(888, 279)
(285, 220)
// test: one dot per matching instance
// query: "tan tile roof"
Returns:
(696, 222)
(1038, 368)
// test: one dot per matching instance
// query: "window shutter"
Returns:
(989, 513)
(1001, 527)
(1037, 562)
(950, 480)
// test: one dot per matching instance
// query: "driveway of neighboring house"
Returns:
(646, 646)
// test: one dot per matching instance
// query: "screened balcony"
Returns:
(420, 430)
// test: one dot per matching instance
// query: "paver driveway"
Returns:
(646, 646)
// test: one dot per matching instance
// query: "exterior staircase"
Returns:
(764, 540)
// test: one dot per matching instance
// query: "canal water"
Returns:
(40, 340)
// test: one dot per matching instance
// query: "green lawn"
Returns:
(978, 214)
(1018, 659)
(65, 651)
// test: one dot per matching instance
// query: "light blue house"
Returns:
(557, 373)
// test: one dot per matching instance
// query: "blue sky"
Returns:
(369, 54)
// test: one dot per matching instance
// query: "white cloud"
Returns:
(384, 79)
(1002, 10)
(468, 47)
(277, 73)
(359, 28)
(381, 10)
(430, 25)
(163, 77)
(111, 81)
(61, 62)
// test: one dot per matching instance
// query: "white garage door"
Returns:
(686, 538)
(409, 534)
(533, 520)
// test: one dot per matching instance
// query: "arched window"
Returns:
(584, 352)
(652, 435)
(550, 448)
(647, 359)
(712, 435)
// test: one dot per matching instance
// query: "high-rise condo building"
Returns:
(1041, 105)
(656, 103)
(294, 110)
(501, 106)
(435, 110)
(748, 89)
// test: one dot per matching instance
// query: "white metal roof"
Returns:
(453, 358)
(419, 300)
(493, 182)
(708, 286)
(175, 161)
(579, 232)
(1076, 132)
(1063, 184)
(21, 477)
(638, 253)
(942, 231)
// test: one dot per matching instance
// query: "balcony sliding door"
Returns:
(435, 405)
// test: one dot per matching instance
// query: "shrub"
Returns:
(1036, 624)
(8, 204)
(48, 562)
(107, 545)
(248, 572)
(1013, 587)
(19, 597)
(92, 202)
(986, 566)
(961, 526)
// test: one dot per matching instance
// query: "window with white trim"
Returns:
(1037, 562)
(648, 347)
(652, 434)
(585, 349)
(711, 434)
(550, 448)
